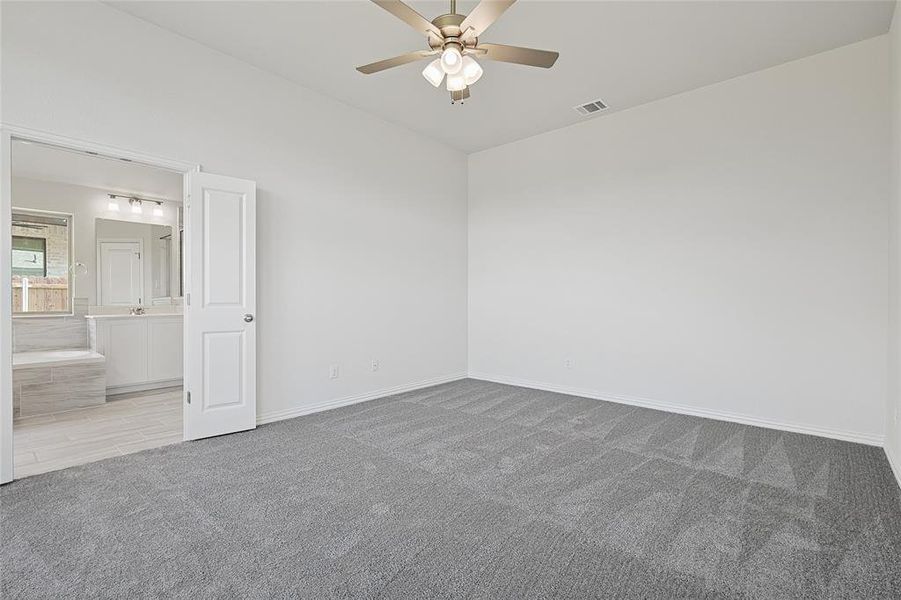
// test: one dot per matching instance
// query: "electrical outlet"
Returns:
(568, 363)
(374, 366)
(333, 372)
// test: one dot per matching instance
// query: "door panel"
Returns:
(220, 259)
(223, 260)
(225, 389)
(122, 276)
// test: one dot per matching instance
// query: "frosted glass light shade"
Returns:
(158, 211)
(456, 82)
(451, 60)
(113, 205)
(471, 70)
(136, 207)
(433, 72)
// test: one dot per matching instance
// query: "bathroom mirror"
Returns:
(138, 264)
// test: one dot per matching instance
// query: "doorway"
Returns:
(144, 339)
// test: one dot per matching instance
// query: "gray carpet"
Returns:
(468, 489)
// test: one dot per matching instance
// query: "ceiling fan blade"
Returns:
(410, 17)
(394, 62)
(483, 15)
(521, 56)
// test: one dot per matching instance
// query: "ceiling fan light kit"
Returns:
(433, 72)
(455, 40)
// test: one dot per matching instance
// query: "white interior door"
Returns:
(121, 273)
(220, 330)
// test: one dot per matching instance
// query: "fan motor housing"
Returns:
(450, 29)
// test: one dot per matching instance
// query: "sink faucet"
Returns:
(136, 310)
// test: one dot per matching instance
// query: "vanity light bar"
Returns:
(137, 199)
(136, 203)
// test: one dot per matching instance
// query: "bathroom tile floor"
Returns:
(125, 424)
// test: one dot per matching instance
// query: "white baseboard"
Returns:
(290, 413)
(848, 436)
(894, 461)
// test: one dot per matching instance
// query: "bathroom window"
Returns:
(29, 256)
(41, 263)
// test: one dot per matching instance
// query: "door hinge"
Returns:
(188, 396)
(139, 255)
(188, 299)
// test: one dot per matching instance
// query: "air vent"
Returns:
(590, 108)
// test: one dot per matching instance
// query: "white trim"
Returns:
(6, 317)
(101, 150)
(290, 413)
(894, 462)
(719, 415)
(8, 132)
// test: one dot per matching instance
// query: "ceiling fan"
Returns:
(456, 39)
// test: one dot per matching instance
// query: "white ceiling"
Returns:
(45, 163)
(625, 53)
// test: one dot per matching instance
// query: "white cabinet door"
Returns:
(220, 269)
(165, 348)
(121, 273)
(125, 348)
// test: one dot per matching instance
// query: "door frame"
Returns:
(8, 133)
(100, 242)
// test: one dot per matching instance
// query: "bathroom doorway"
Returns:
(97, 332)
(214, 256)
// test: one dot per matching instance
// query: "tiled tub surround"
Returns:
(49, 333)
(53, 368)
(57, 380)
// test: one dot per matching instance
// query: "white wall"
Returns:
(87, 205)
(361, 224)
(721, 250)
(893, 408)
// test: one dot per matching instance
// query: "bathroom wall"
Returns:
(87, 205)
(31, 334)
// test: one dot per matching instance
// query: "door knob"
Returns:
(248, 318)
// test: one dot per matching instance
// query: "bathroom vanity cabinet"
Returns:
(142, 351)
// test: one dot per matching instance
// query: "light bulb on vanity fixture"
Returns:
(113, 204)
(136, 207)
(158, 210)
